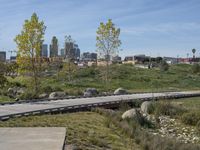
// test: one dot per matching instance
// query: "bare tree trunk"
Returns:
(69, 71)
(107, 73)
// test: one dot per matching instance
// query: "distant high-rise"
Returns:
(116, 59)
(71, 49)
(54, 47)
(62, 52)
(44, 51)
(87, 56)
(2, 56)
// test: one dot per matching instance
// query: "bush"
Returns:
(164, 66)
(191, 118)
(142, 137)
(57, 88)
(166, 108)
(46, 89)
(3, 80)
(196, 68)
(198, 126)
(140, 120)
(28, 95)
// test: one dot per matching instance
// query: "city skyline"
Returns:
(156, 28)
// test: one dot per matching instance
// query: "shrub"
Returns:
(142, 137)
(164, 66)
(196, 68)
(191, 118)
(166, 108)
(56, 88)
(198, 126)
(28, 95)
(46, 89)
(3, 80)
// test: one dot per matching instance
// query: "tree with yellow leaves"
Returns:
(107, 43)
(29, 43)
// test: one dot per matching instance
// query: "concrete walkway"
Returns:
(32, 138)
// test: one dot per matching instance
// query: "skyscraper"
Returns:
(54, 47)
(62, 52)
(2, 56)
(72, 50)
(44, 51)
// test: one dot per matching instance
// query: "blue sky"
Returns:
(152, 27)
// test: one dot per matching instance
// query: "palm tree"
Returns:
(193, 51)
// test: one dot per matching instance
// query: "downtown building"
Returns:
(71, 51)
(44, 50)
(2, 56)
(87, 56)
(54, 47)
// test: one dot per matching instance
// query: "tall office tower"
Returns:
(2, 56)
(44, 51)
(77, 51)
(54, 47)
(72, 51)
(62, 52)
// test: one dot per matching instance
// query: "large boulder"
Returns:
(20, 91)
(120, 91)
(44, 95)
(132, 113)
(90, 92)
(57, 95)
(11, 92)
(145, 107)
(15, 91)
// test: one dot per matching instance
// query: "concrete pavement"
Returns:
(32, 138)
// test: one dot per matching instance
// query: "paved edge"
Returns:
(33, 138)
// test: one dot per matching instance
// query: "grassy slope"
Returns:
(189, 103)
(178, 77)
(87, 130)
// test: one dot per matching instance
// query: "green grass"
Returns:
(87, 130)
(178, 77)
(5, 99)
(189, 103)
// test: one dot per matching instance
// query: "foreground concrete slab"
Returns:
(32, 138)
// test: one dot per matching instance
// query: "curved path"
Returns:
(41, 107)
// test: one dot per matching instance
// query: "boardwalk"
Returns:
(14, 110)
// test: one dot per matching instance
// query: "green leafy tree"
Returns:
(29, 43)
(107, 43)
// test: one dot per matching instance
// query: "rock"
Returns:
(15, 91)
(12, 92)
(16, 99)
(132, 113)
(20, 91)
(145, 107)
(57, 95)
(44, 95)
(90, 92)
(120, 91)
